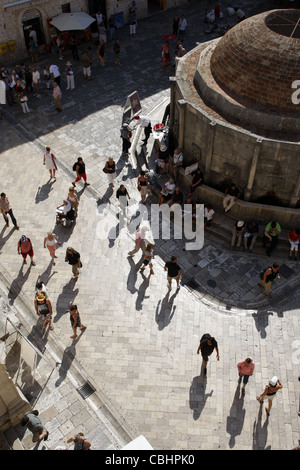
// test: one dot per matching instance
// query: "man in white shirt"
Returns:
(181, 27)
(36, 81)
(54, 73)
(145, 122)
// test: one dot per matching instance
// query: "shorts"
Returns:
(170, 278)
(36, 434)
(29, 253)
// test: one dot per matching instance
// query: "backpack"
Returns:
(74, 166)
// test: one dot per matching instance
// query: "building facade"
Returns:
(17, 17)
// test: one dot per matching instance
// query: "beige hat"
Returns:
(240, 223)
(41, 297)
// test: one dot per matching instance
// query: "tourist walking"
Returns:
(36, 77)
(80, 442)
(86, 65)
(79, 167)
(182, 27)
(73, 258)
(126, 135)
(6, 209)
(57, 96)
(73, 47)
(54, 73)
(174, 271)
(140, 242)
(24, 101)
(148, 256)
(32, 421)
(245, 370)
(117, 51)
(122, 195)
(166, 56)
(143, 185)
(270, 392)
(145, 123)
(75, 320)
(101, 51)
(268, 276)
(50, 242)
(110, 170)
(70, 76)
(25, 249)
(43, 307)
(50, 162)
(207, 345)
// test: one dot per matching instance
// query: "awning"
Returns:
(72, 21)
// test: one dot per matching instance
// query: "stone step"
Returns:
(9, 440)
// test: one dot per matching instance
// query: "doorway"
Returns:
(155, 5)
(32, 19)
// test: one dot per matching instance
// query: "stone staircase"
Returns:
(9, 440)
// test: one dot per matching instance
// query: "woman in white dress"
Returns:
(50, 242)
(72, 197)
(49, 161)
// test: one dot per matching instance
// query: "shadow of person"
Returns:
(165, 310)
(46, 275)
(67, 359)
(198, 397)
(3, 239)
(235, 420)
(142, 292)
(65, 299)
(17, 284)
(260, 432)
(43, 191)
(133, 273)
(261, 319)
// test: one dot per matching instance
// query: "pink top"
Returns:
(245, 369)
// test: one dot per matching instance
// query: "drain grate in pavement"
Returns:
(86, 390)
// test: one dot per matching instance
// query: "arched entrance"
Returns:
(32, 19)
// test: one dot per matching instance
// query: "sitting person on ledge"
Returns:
(162, 162)
(167, 192)
(176, 162)
(197, 180)
(209, 215)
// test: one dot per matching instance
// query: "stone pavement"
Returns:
(139, 349)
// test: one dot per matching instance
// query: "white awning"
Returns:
(17, 2)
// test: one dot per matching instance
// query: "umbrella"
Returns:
(169, 36)
(72, 21)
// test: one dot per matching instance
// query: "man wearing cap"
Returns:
(237, 234)
(25, 248)
(145, 122)
(270, 392)
(6, 209)
(35, 425)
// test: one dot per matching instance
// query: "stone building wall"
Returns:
(265, 170)
(11, 22)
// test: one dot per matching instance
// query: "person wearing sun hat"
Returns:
(270, 391)
(237, 234)
(43, 307)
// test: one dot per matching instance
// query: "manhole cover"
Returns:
(86, 390)
(211, 283)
